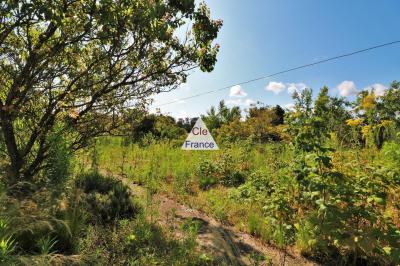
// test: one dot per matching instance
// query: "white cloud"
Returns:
(237, 91)
(275, 87)
(347, 88)
(296, 87)
(379, 89)
(250, 102)
(241, 102)
(289, 106)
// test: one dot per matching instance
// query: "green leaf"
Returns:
(387, 250)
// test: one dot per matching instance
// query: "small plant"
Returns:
(75, 216)
(258, 226)
(206, 182)
(191, 227)
(260, 259)
(46, 245)
(131, 238)
(218, 206)
(258, 186)
(3, 228)
(7, 247)
(7, 242)
(94, 156)
(305, 237)
(59, 162)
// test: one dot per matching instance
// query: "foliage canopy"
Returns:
(68, 67)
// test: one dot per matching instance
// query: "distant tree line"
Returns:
(369, 120)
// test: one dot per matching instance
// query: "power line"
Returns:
(281, 72)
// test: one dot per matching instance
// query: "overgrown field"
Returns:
(322, 179)
(350, 212)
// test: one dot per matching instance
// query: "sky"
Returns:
(260, 37)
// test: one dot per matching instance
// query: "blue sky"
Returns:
(261, 37)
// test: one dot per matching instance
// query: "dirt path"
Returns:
(224, 242)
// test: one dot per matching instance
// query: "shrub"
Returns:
(258, 186)
(224, 170)
(94, 182)
(207, 171)
(107, 199)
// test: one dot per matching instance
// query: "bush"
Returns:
(224, 170)
(258, 186)
(107, 199)
(94, 182)
(207, 171)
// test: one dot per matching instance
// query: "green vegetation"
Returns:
(322, 179)
(329, 190)
(71, 68)
(68, 69)
(98, 220)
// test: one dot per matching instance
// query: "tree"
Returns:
(212, 119)
(226, 114)
(158, 125)
(186, 123)
(380, 114)
(277, 113)
(215, 119)
(389, 106)
(332, 113)
(280, 115)
(262, 124)
(68, 66)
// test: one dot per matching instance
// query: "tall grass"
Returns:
(201, 179)
(160, 162)
(163, 166)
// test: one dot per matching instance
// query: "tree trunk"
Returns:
(14, 155)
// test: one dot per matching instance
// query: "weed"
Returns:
(7, 247)
(306, 238)
(46, 245)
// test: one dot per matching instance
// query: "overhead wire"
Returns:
(281, 72)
